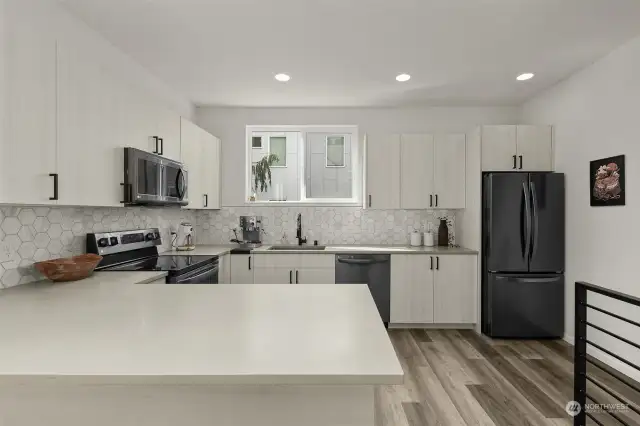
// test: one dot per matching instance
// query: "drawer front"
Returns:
(277, 260)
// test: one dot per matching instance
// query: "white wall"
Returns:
(596, 115)
(229, 125)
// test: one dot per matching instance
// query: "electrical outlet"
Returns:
(5, 252)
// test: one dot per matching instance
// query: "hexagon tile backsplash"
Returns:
(33, 234)
(328, 225)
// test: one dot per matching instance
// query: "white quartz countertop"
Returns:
(219, 250)
(110, 333)
(373, 248)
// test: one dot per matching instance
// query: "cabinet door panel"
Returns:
(449, 175)
(315, 276)
(210, 163)
(168, 125)
(28, 143)
(91, 120)
(455, 289)
(274, 276)
(242, 268)
(535, 146)
(498, 148)
(416, 180)
(383, 172)
(411, 289)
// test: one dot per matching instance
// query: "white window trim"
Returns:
(326, 153)
(357, 165)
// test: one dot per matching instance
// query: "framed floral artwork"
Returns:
(607, 183)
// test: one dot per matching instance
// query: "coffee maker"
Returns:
(251, 227)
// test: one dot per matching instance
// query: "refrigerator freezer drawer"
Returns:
(525, 306)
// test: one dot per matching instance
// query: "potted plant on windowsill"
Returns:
(262, 174)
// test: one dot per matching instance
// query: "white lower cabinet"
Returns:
(455, 289)
(411, 289)
(294, 269)
(439, 289)
(241, 269)
(224, 273)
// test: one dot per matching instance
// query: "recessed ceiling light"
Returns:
(283, 77)
(525, 76)
(403, 77)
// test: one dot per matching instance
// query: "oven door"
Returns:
(205, 275)
(142, 176)
(175, 179)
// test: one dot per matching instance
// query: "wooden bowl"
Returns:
(69, 268)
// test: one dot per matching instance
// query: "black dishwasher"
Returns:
(371, 269)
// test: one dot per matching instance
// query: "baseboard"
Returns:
(432, 326)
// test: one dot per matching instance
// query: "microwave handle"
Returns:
(180, 184)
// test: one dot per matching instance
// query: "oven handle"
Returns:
(207, 271)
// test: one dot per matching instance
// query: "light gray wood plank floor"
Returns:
(458, 377)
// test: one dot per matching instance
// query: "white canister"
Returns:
(428, 239)
(416, 239)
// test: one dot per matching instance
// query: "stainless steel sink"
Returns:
(297, 248)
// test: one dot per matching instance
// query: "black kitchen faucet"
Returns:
(299, 237)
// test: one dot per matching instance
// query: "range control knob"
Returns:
(113, 241)
(150, 236)
(103, 242)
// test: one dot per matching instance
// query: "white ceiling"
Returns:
(348, 52)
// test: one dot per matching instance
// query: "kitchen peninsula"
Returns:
(108, 353)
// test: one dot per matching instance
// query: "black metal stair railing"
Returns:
(581, 359)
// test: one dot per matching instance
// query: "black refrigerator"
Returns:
(523, 233)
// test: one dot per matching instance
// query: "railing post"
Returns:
(580, 354)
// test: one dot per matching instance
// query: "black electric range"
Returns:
(137, 251)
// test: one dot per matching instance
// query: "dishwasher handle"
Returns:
(350, 261)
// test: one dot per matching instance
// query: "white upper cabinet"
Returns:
(417, 171)
(433, 171)
(517, 148)
(499, 148)
(201, 155)
(449, 165)
(383, 172)
(168, 131)
(535, 148)
(28, 151)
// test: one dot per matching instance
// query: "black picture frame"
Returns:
(607, 181)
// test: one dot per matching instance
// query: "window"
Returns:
(306, 164)
(256, 142)
(336, 154)
(278, 146)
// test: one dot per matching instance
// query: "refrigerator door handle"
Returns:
(527, 214)
(534, 202)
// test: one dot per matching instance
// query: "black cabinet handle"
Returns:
(156, 151)
(521, 162)
(249, 262)
(206, 200)
(369, 200)
(515, 164)
(290, 277)
(161, 146)
(436, 200)
(297, 282)
(55, 186)
(430, 200)
(431, 267)
(438, 263)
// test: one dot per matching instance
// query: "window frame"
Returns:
(357, 164)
